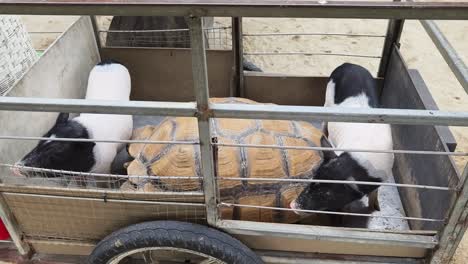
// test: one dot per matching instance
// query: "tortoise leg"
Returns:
(374, 200)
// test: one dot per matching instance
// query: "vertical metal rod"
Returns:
(394, 29)
(200, 83)
(238, 52)
(456, 226)
(454, 61)
(96, 33)
(215, 147)
(13, 228)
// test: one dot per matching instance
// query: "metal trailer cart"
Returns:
(52, 219)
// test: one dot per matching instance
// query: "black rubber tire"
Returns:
(176, 234)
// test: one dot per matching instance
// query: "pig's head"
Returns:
(335, 196)
(60, 155)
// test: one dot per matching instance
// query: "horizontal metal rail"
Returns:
(157, 30)
(241, 8)
(233, 145)
(6, 137)
(339, 182)
(97, 106)
(421, 152)
(97, 175)
(338, 114)
(450, 55)
(311, 54)
(133, 201)
(327, 233)
(274, 112)
(253, 178)
(45, 32)
(331, 212)
(312, 34)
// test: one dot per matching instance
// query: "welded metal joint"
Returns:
(203, 113)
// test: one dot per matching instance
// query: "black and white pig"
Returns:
(350, 85)
(108, 80)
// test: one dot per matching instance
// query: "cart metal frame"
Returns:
(457, 223)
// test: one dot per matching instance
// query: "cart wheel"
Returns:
(171, 242)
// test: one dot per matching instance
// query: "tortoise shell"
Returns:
(232, 162)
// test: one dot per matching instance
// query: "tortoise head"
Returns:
(335, 196)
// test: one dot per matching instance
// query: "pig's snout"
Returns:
(16, 169)
(295, 207)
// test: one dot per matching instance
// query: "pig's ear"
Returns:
(62, 118)
(327, 154)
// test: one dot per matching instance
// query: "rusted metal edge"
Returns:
(242, 8)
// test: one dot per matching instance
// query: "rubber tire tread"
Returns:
(177, 234)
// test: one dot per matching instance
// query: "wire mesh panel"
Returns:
(88, 219)
(16, 51)
(159, 32)
(312, 46)
(217, 38)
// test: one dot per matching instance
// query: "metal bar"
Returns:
(456, 226)
(394, 29)
(107, 199)
(421, 152)
(311, 54)
(238, 50)
(5, 137)
(156, 30)
(162, 142)
(105, 175)
(274, 112)
(338, 114)
(45, 32)
(244, 8)
(228, 178)
(312, 34)
(282, 257)
(330, 212)
(13, 228)
(451, 57)
(97, 106)
(339, 182)
(96, 33)
(326, 233)
(200, 81)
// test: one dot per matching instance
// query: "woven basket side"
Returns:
(16, 52)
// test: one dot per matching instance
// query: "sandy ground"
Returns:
(417, 49)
